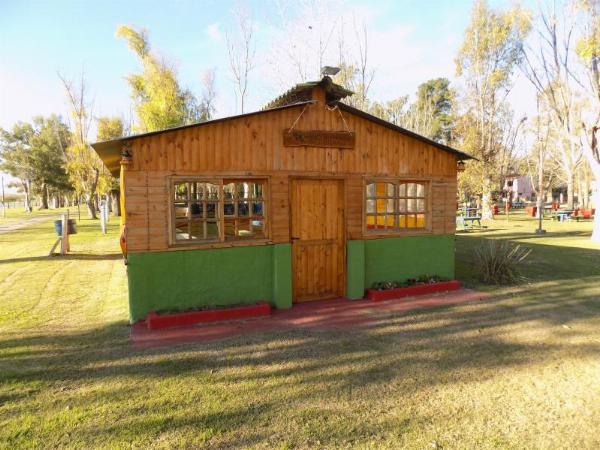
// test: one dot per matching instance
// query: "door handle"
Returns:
(294, 238)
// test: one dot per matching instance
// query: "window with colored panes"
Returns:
(244, 209)
(218, 210)
(395, 205)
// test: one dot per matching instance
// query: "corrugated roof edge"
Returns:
(385, 123)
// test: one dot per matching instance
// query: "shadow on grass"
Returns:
(273, 371)
(249, 382)
(69, 257)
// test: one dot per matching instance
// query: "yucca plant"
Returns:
(498, 261)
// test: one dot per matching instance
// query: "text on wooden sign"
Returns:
(318, 138)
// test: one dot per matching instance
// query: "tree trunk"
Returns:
(486, 198)
(27, 190)
(44, 196)
(596, 204)
(91, 205)
(570, 189)
(116, 205)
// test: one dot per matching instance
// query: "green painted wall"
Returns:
(180, 280)
(355, 269)
(185, 279)
(397, 259)
(282, 276)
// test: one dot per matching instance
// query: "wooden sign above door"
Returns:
(318, 138)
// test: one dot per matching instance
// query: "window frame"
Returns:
(376, 232)
(221, 240)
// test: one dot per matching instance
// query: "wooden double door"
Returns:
(318, 239)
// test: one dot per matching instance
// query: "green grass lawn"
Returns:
(13, 215)
(521, 370)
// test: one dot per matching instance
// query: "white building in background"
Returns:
(519, 188)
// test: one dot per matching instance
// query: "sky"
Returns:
(410, 41)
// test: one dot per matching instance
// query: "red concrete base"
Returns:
(409, 291)
(324, 315)
(156, 321)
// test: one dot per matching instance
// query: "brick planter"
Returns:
(156, 321)
(417, 289)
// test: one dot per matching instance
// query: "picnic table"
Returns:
(562, 215)
(468, 218)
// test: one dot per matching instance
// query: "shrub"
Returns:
(498, 261)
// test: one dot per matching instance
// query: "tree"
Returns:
(48, 145)
(356, 75)
(433, 110)
(35, 154)
(16, 158)
(548, 68)
(491, 50)
(588, 50)
(159, 100)
(540, 163)
(85, 169)
(111, 128)
(241, 50)
(209, 94)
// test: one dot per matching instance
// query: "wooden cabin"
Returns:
(306, 199)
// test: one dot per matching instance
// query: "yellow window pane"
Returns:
(420, 220)
(411, 221)
(381, 206)
(402, 221)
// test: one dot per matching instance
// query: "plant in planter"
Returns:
(423, 284)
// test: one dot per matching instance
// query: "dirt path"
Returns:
(11, 226)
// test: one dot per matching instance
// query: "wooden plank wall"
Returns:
(254, 146)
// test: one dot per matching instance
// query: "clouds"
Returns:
(214, 33)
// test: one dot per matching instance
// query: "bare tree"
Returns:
(209, 94)
(588, 50)
(241, 49)
(85, 169)
(548, 68)
(365, 73)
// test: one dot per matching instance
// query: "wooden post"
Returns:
(68, 243)
(64, 234)
(103, 215)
